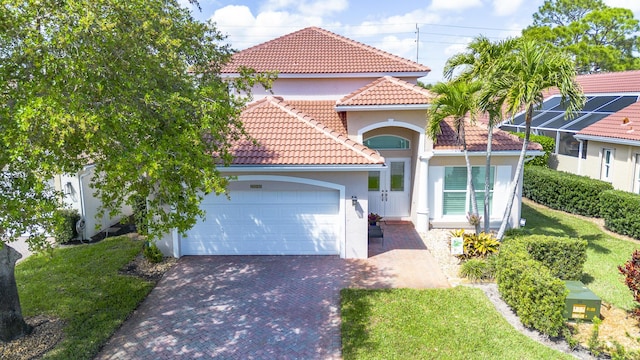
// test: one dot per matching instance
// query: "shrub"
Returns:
(65, 227)
(530, 288)
(620, 212)
(140, 214)
(152, 253)
(563, 191)
(631, 272)
(478, 269)
(564, 257)
(548, 146)
(477, 246)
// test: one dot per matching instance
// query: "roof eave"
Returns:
(608, 139)
(410, 74)
(301, 168)
(437, 152)
(381, 107)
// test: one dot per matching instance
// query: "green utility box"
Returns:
(581, 302)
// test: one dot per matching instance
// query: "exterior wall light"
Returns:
(354, 200)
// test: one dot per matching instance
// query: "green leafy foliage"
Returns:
(548, 146)
(65, 229)
(564, 257)
(621, 213)
(477, 245)
(479, 269)
(530, 288)
(152, 253)
(599, 37)
(563, 191)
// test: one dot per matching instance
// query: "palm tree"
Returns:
(455, 99)
(524, 74)
(477, 63)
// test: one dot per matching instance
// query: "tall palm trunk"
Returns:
(470, 188)
(12, 324)
(487, 180)
(516, 178)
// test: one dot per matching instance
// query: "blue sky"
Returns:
(445, 26)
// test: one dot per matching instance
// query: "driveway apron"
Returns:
(260, 307)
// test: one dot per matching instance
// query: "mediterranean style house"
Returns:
(341, 134)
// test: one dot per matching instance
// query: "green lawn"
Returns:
(604, 253)
(81, 285)
(456, 323)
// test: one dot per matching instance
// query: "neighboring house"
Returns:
(603, 140)
(341, 134)
(79, 195)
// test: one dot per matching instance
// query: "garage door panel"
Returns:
(267, 222)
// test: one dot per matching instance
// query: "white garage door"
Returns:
(285, 219)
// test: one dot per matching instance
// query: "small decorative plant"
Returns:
(474, 219)
(374, 218)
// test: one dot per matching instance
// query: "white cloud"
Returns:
(246, 29)
(455, 5)
(634, 5)
(506, 7)
(312, 8)
(459, 47)
(405, 47)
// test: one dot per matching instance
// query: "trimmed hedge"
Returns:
(532, 288)
(65, 228)
(563, 191)
(548, 145)
(563, 256)
(621, 212)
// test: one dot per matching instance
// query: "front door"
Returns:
(389, 189)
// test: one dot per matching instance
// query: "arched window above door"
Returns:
(387, 142)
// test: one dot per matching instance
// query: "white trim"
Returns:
(607, 139)
(298, 168)
(340, 108)
(292, 179)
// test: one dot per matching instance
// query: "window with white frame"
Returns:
(456, 201)
(636, 176)
(607, 164)
(387, 142)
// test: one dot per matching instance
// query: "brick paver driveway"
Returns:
(264, 307)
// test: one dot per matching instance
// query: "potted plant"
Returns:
(374, 218)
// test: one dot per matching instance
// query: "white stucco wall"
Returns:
(623, 166)
(74, 197)
(316, 88)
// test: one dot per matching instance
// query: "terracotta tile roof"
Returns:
(317, 51)
(625, 124)
(323, 111)
(611, 82)
(287, 136)
(387, 90)
(476, 136)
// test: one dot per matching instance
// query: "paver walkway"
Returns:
(264, 307)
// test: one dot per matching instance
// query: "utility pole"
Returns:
(417, 44)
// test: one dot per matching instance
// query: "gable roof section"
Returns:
(322, 111)
(387, 90)
(287, 136)
(317, 51)
(611, 82)
(625, 124)
(477, 138)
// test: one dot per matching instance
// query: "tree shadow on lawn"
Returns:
(540, 224)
